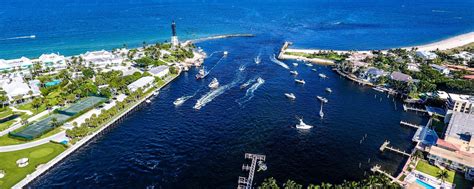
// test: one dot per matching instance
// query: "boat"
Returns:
(202, 73)
(294, 72)
(226, 53)
(295, 64)
(156, 93)
(329, 90)
(214, 84)
(321, 113)
(303, 125)
(309, 64)
(322, 76)
(379, 89)
(322, 99)
(290, 96)
(148, 101)
(314, 70)
(181, 100)
(242, 68)
(261, 166)
(300, 81)
(245, 85)
(185, 68)
(257, 60)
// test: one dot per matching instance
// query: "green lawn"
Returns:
(28, 106)
(5, 112)
(37, 155)
(6, 140)
(454, 177)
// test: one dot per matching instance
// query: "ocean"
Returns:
(163, 146)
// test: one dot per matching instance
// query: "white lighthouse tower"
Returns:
(174, 38)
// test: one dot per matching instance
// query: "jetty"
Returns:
(407, 108)
(246, 182)
(410, 124)
(285, 48)
(385, 146)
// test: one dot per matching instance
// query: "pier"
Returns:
(406, 108)
(385, 146)
(377, 168)
(410, 124)
(246, 182)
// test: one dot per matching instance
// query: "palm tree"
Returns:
(54, 122)
(269, 183)
(292, 185)
(442, 175)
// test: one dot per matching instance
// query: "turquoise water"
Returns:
(52, 83)
(73, 27)
(424, 184)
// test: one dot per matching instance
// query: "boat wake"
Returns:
(208, 97)
(242, 68)
(273, 59)
(19, 37)
(250, 92)
(182, 100)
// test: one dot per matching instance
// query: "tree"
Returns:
(88, 73)
(292, 185)
(442, 175)
(54, 122)
(36, 103)
(269, 183)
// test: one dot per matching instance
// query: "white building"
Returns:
(143, 83)
(160, 71)
(53, 60)
(440, 69)
(413, 67)
(426, 55)
(16, 87)
(101, 58)
(20, 63)
(465, 56)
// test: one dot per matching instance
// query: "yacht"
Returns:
(303, 125)
(290, 96)
(214, 84)
(202, 73)
(295, 64)
(226, 53)
(180, 100)
(329, 90)
(148, 101)
(294, 72)
(257, 60)
(300, 81)
(322, 76)
(322, 99)
(309, 64)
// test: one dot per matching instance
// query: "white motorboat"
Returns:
(295, 64)
(185, 68)
(226, 53)
(322, 75)
(294, 72)
(245, 85)
(329, 90)
(202, 73)
(148, 101)
(290, 96)
(214, 84)
(257, 59)
(309, 64)
(322, 99)
(300, 81)
(181, 100)
(321, 113)
(303, 125)
(156, 93)
(314, 70)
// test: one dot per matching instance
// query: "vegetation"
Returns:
(445, 175)
(373, 181)
(331, 55)
(36, 155)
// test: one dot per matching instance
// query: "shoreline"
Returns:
(442, 44)
(42, 169)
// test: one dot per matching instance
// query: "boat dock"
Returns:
(246, 182)
(410, 124)
(385, 146)
(377, 168)
(406, 108)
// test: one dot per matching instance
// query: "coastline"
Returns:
(45, 167)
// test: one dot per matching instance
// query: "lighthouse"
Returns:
(174, 38)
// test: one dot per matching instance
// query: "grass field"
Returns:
(37, 156)
(453, 177)
(28, 106)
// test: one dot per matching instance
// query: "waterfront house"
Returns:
(17, 89)
(101, 58)
(359, 56)
(464, 56)
(441, 69)
(53, 60)
(426, 55)
(413, 67)
(398, 76)
(13, 64)
(160, 71)
(372, 74)
(357, 65)
(142, 83)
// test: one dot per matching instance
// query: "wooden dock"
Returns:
(246, 182)
(410, 124)
(377, 168)
(385, 146)
(406, 108)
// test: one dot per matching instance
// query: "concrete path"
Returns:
(24, 111)
(33, 143)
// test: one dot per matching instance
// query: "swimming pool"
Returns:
(424, 184)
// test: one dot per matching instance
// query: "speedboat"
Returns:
(201, 74)
(294, 72)
(295, 64)
(309, 64)
(148, 101)
(300, 81)
(314, 70)
(214, 84)
(328, 90)
(257, 60)
(226, 53)
(322, 76)
(181, 100)
(303, 125)
(156, 93)
(322, 99)
(321, 113)
(245, 85)
(290, 96)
